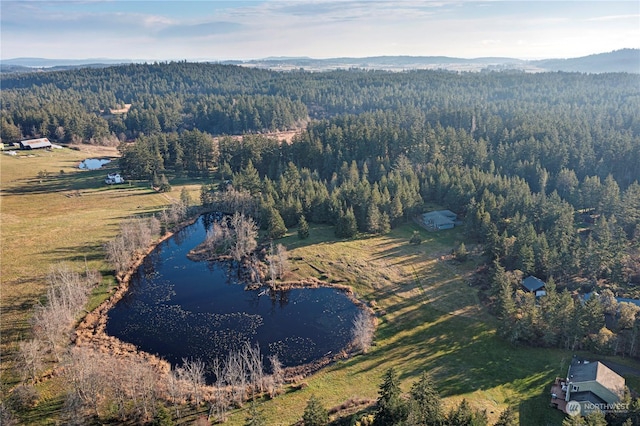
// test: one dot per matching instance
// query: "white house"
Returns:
(113, 178)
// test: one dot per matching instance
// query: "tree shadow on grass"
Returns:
(44, 412)
(81, 253)
(462, 355)
(537, 411)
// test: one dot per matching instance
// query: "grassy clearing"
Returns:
(64, 217)
(429, 320)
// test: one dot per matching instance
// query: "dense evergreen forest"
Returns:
(544, 168)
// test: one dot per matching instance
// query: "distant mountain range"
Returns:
(624, 60)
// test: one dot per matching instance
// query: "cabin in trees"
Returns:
(534, 285)
(35, 143)
(439, 219)
(589, 386)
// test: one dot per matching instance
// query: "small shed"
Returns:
(35, 143)
(533, 284)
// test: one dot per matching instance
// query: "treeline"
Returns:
(543, 168)
(586, 228)
(534, 125)
(422, 406)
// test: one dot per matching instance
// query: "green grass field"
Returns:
(64, 217)
(429, 317)
(430, 320)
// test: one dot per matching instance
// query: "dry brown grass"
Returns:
(66, 216)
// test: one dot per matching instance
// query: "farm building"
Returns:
(439, 219)
(534, 285)
(35, 143)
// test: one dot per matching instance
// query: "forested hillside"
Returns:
(543, 168)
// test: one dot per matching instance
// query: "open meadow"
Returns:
(51, 212)
(429, 315)
(429, 319)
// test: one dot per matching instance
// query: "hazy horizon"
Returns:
(208, 30)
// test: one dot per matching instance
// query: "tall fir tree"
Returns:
(314, 413)
(391, 408)
(303, 228)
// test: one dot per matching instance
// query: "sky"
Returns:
(220, 30)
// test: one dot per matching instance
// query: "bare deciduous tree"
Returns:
(117, 254)
(29, 359)
(220, 401)
(235, 377)
(253, 366)
(246, 234)
(135, 236)
(219, 237)
(192, 372)
(175, 390)
(363, 330)
(67, 294)
(278, 261)
(232, 200)
(277, 376)
(7, 418)
(87, 380)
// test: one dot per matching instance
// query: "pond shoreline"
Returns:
(91, 331)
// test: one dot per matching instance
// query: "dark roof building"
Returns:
(439, 219)
(35, 143)
(593, 385)
(532, 284)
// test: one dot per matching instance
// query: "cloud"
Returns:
(214, 29)
(205, 29)
(614, 18)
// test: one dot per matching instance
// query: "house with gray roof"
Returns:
(439, 219)
(594, 386)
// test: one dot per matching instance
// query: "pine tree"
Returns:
(396, 211)
(391, 408)
(276, 228)
(185, 198)
(373, 219)
(507, 417)
(315, 414)
(464, 415)
(346, 226)
(165, 186)
(573, 421)
(461, 253)
(425, 407)
(255, 417)
(303, 228)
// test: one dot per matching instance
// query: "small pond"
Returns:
(177, 308)
(93, 163)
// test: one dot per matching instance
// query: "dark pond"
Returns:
(177, 308)
(93, 163)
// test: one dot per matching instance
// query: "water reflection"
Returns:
(93, 163)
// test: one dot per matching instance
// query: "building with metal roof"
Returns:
(439, 219)
(35, 143)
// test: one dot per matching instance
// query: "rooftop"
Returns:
(532, 283)
(589, 371)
